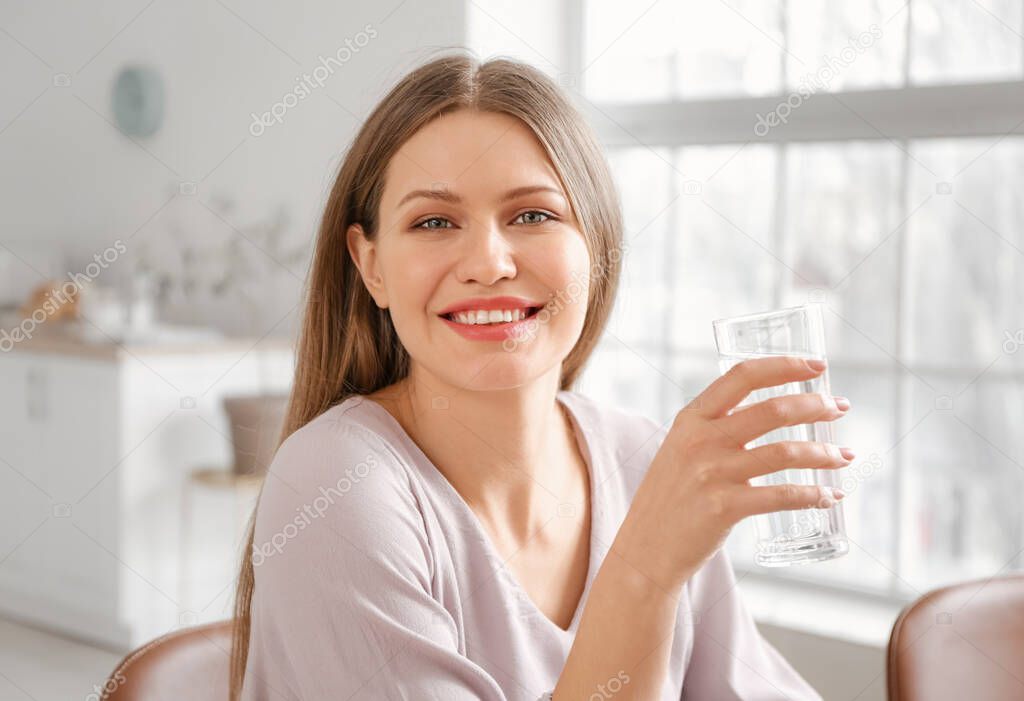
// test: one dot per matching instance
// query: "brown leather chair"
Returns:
(187, 664)
(964, 641)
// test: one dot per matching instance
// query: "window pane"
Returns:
(724, 260)
(838, 46)
(691, 373)
(966, 253)
(842, 209)
(680, 50)
(962, 514)
(626, 376)
(956, 41)
(645, 180)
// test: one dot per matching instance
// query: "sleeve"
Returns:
(730, 659)
(342, 606)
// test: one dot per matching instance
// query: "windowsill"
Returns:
(851, 617)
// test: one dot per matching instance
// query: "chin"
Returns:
(492, 372)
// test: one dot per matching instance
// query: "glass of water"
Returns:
(802, 535)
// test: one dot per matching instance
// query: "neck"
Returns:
(507, 452)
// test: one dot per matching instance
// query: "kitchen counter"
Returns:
(83, 340)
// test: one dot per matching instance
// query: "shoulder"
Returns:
(337, 479)
(339, 443)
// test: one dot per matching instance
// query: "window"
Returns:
(866, 155)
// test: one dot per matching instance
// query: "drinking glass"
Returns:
(801, 535)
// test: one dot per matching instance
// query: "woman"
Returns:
(445, 518)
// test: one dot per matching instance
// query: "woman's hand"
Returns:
(696, 487)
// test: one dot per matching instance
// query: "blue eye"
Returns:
(532, 217)
(432, 221)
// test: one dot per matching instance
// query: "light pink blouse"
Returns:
(375, 580)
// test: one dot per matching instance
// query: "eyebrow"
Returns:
(446, 196)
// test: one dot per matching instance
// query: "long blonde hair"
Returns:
(347, 344)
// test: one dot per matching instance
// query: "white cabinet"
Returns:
(24, 503)
(95, 449)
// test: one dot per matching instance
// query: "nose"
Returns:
(485, 256)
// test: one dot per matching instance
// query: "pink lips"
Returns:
(489, 303)
(490, 332)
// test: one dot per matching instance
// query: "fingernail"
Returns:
(816, 365)
(838, 493)
(842, 402)
(847, 453)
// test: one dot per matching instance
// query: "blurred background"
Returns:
(165, 165)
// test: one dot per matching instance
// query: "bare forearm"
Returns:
(622, 647)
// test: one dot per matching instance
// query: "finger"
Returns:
(758, 419)
(742, 378)
(785, 455)
(749, 500)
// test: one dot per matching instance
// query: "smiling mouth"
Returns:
(470, 320)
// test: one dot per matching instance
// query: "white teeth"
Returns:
(493, 316)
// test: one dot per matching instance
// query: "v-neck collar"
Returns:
(596, 511)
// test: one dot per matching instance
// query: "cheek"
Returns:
(571, 267)
(566, 271)
(412, 277)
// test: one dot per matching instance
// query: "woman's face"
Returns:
(472, 209)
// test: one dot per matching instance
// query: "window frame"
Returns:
(987, 110)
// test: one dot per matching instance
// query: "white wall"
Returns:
(72, 181)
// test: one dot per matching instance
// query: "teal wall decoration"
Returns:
(138, 100)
